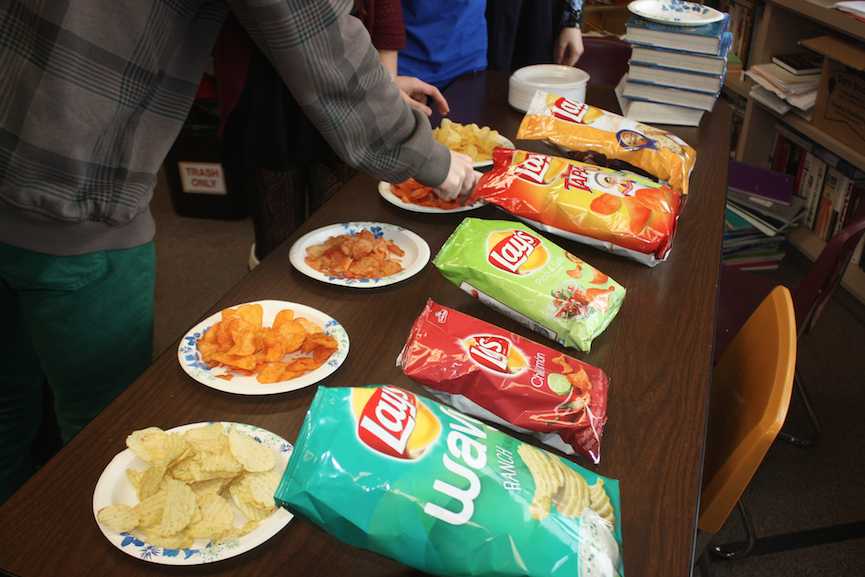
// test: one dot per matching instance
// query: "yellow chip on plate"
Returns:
(254, 456)
(180, 507)
(119, 518)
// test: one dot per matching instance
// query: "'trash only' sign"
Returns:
(202, 177)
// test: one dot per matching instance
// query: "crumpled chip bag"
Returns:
(519, 273)
(612, 210)
(417, 481)
(487, 372)
(587, 131)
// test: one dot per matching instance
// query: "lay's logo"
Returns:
(517, 252)
(393, 422)
(496, 354)
(575, 112)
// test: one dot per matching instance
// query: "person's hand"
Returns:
(460, 179)
(417, 92)
(569, 46)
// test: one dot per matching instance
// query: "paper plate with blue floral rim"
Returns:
(417, 252)
(221, 379)
(675, 12)
(114, 487)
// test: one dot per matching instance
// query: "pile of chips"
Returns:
(477, 142)
(191, 480)
(358, 256)
(412, 192)
(241, 343)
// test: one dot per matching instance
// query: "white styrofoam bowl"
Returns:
(556, 79)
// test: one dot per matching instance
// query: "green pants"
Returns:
(83, 322)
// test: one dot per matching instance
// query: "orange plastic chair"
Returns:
(748, 402)
(741, 292)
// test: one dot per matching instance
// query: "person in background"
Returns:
(444, 39)
(527, 32)
(94, 95)
(287, 168)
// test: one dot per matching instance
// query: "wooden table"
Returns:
(657, 352)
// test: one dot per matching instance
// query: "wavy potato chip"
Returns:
(254, 456)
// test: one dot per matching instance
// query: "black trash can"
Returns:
(200, 186)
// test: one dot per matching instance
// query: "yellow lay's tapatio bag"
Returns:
(420, 482)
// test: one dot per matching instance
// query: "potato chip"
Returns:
(119, 518)
(150, 509)
(180, 507)
(210, 438)
(254, 456)
(135, 441)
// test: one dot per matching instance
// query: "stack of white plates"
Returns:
(556, 79)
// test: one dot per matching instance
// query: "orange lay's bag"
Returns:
(578, 127)
(613, 210)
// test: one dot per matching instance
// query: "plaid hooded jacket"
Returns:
(94, 92)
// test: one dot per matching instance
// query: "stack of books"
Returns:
(782, 90)
(676, 72)
(761, 205)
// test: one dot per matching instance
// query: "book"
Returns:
(734, 222)
(666, 95)
(762, 183)
(655, 112)
(782, 82)
(826, 214)
(832, 159)
(765, 265)
(768, 225)
(799, 63)
(752, 257)
(715, 64)
(675, 78)
(818, 170)
(703, 39)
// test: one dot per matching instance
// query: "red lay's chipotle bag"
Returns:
(485, 371)
(578, 127)
(613, 210)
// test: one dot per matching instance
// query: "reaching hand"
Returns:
(416, 92)
(460, 179)
(569, 46)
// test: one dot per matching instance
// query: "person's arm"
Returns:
(569, 45)
(326, 59)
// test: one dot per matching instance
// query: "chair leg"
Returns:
(723, 553)
(812, 416)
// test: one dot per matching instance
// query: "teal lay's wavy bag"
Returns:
(412, 479)
(519, 273)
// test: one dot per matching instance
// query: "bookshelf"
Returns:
(783, 24)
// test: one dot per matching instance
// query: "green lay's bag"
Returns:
(406, 477)
(514, 270)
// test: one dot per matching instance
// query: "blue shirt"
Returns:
(444, 39)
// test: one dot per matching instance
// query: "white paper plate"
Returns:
(114, 487)
(417, 252)
(500, 141)
(386, 192)
(190, 358)
(675, 12)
